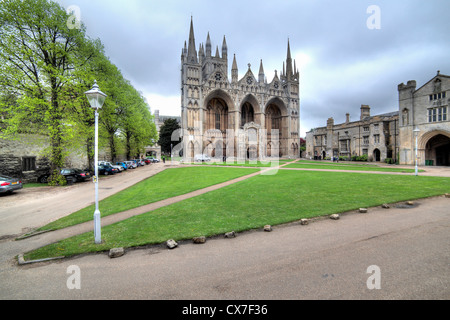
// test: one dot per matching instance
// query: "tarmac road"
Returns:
(325, 259)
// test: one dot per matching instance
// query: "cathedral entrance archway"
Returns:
(376, 155)
(276, 119)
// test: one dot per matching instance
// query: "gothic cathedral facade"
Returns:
(247, 118)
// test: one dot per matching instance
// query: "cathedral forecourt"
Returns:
(246, 118)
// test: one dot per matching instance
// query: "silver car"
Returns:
(8, 184)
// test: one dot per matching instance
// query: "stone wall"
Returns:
(13, 153)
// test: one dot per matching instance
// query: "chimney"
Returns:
(330, 123)
(365, 111)
(347, 117)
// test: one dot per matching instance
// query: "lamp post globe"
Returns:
(96, 99)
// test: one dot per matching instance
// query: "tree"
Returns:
(45, 68)
(38, 55)
(302, 146)
(165, 135)
(139, 130)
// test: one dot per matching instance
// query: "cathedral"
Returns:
(247, 118)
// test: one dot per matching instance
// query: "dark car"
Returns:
(106, 170)
(82, 175)
(71, 175)
(8, 185)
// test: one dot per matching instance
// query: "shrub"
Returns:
(364, 157)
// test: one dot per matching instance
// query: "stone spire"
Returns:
(234, 70)
(224, 49)
(192, 51)
(289, 71)
(201, 53)
(261, 75)
(208, 46)
(217, 52)
(184, 52)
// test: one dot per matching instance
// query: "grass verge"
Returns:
(166, 184)
(252, 203)
(246, 163)
(355, 167)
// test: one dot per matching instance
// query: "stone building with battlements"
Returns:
(422, 116)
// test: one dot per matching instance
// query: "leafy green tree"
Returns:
(165, 134)
(38, 55)
(138, 129)
(45, 68)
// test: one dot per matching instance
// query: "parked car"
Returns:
(139, 162)
(71, 175)
(131, 164)
(147, 161)
(107, 170)
(8, 184)
(81, 175)
(152, 159)
(123, 164)
(106, 163)
(202, 158)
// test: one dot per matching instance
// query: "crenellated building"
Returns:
(422, 120)
(238, 118)
(426, 111)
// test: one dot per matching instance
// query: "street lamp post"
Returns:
(96, 99)
(416, 134)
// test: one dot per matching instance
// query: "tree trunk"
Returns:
(90, 153)
(128, 138)
(112, 148)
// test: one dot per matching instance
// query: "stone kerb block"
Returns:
(231, 234)
(268, 228)
(171, 244)
(199, 240)
(304, 222)
(334, 216)
(362, 210)
(116, 253)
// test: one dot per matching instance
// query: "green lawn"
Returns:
(252, 203)
(246, 163)
(346, 166)
(167, 184)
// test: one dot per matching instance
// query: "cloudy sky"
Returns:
(349, 52)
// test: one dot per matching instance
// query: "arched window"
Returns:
(217, 120)
(217, 115)
(405, 117)
(247, 114)
(273, 118)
